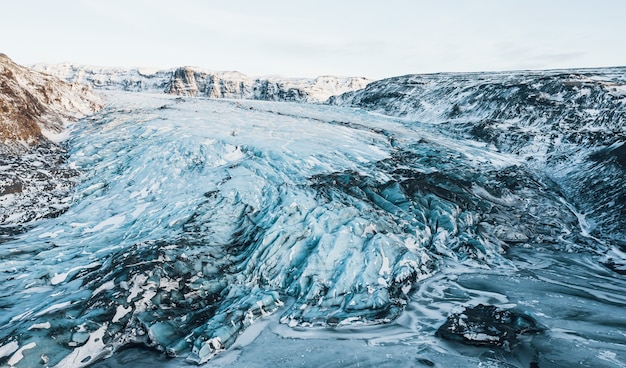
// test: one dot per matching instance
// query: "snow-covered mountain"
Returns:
(527, 112)
(569, 123)
(193, 81)
(36, 106)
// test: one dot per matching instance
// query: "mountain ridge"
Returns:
(197, 81)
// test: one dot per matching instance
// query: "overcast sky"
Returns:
(374, 39)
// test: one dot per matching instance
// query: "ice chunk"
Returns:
(120, 312)
(39, 326)
(19, 354)
(9, 348)
(91, 351)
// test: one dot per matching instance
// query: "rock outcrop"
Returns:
(488, 325)
(36, 106)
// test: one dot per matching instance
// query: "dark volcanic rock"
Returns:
(488, 325)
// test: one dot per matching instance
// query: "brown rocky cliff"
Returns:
(36, 106)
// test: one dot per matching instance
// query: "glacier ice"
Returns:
(194, 218)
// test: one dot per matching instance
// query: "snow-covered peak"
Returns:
(127, 79)
(196, 81)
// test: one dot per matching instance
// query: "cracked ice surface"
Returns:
(194, 218)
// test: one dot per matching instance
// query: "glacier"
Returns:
(256, 233)
(567, 122)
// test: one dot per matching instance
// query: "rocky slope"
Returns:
(35, 110)
(192, 81)
(36, 106)
(570, 123)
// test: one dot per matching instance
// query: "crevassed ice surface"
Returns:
(347, 232)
